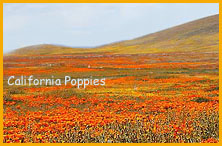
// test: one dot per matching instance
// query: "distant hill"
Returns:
(45, 49)
(201, 35)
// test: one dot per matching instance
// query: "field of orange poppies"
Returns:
(147, 98)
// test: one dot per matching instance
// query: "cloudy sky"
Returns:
(89, 25)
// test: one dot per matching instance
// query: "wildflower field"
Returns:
(147, 98)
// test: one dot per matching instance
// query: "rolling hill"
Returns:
(201, 35)
(45, 49)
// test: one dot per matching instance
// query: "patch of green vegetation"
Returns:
(15, 90)
(66, 93)
(213, 95)
(163, 77)
(200, 100)
(213, 89)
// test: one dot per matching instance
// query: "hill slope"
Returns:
(201, 35)
(46, 49)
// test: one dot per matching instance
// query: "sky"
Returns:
(90, 25)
